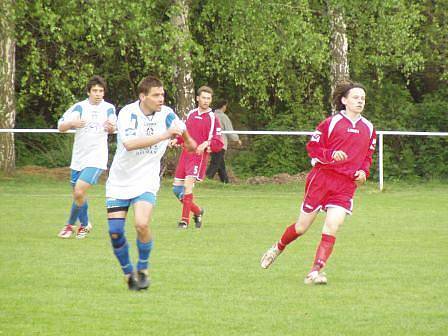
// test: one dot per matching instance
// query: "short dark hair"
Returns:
(147, 83)
(205, 89)
(342, 90)
(96, 80)
(221, 103)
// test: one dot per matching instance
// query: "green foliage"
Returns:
(269, 58)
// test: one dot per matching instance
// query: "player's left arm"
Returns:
(172, 120)
(216, 143)
(363, 173)
(110, 125)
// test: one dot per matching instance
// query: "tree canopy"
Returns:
(271, 59)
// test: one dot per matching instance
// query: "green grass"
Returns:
(387, 276)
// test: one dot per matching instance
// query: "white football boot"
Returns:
(315, 278)
(269, 257)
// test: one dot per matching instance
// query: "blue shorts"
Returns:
(114, 204)
(89, 175)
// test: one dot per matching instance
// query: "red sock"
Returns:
(186, 208)
(195, 208)
(288, 237)
(323, 251)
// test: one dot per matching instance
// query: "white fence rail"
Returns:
(380, 135)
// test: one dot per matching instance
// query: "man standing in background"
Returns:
(217, 162)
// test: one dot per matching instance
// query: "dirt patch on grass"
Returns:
(282, 178)
(63, 174)
(60, 173)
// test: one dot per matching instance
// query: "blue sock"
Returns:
(144, 250)
(120, 244)
(83, 216)
(74, 212)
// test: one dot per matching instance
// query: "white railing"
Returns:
(380, 135)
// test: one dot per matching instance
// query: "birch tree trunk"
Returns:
(183, 77)
(338, 47)
(7, 72)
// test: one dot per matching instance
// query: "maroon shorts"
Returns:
(191, 164)
(325, 189)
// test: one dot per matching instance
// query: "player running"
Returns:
(93, 119)
(145, 128)
(341, 152)
(205, 129)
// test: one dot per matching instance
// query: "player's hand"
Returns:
(78, 123)
(202, 147)
(360, 177)
(173, 143)
(339, 155)
(109, 126)
(174, 131)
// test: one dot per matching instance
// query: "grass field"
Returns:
(388, 274)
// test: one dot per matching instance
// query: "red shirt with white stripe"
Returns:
(338, 132)
(200, 128)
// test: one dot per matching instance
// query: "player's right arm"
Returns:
(147, 141)
(318, 149)
(71, 119)
(127, 128)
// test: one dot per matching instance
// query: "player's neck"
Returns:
(201, 110)
(352, 115)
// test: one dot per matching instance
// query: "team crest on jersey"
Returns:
(316, 136)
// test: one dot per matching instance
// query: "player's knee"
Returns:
(142, 228)
(78, 195)
(116, 232)
(179, 191)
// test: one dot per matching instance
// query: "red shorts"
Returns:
(191, 164)
(325, 189)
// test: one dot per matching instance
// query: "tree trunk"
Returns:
(338, 47)
(183, 76)
(7, 72)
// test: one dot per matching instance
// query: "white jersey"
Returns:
(137, 171)
(90, 146)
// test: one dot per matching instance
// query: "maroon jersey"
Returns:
(204, 127)
(356, 138)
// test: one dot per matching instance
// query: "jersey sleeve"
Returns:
(72, 113)
(369, 156)
(111, 115)
(216, 142)
(127, 125)
(173, 119)
(317, 146)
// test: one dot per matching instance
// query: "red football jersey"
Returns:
(356, 138)
(203, 127)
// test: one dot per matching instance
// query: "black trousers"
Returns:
(218, 165)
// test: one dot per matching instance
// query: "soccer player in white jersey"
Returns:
(93, 119)
(145, 128)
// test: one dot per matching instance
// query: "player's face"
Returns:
(204, 100)
(96, 94)
(355, 101)
(154, 100)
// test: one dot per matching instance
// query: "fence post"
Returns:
(380, 160)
